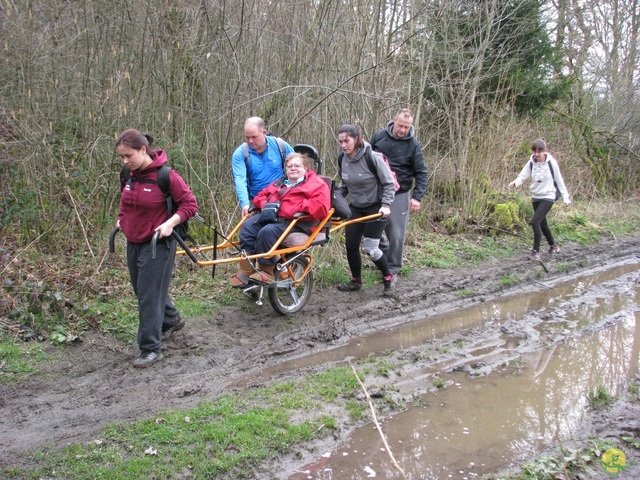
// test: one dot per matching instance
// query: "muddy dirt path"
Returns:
(94, 384)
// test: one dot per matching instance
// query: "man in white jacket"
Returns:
(547, 185)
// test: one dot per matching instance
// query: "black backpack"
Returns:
(163, 180)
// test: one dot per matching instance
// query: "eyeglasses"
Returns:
(295, 165)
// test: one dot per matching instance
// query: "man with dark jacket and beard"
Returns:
(398, 143)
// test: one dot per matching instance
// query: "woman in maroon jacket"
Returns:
(143, 212)
(300, 190)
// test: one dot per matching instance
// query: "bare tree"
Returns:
(600, 43)
(74, 74)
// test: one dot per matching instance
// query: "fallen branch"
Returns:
(543, 266)
(375, 420)
(106, 252)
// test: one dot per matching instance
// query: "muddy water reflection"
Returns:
(409, 334)
(480, 425)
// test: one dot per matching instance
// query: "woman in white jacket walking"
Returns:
(547, 185)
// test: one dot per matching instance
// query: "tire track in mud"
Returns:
(93, 384)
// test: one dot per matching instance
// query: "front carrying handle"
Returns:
(181, 242)
(154, 244)
(112, 240)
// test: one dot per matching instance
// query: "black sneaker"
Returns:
(146, 359)
(352, 286)
(533, 255)
(553, 249)
(169, 328)
(389, 284)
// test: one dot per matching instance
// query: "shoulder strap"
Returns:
(340, 157)
(163, 180)
(284, 190)
(245, 152)
(552, 174)
(550, 168)
(247, 159)
(374, 167)
(368, 154)
(555, 184)
(125, 176)
(283, 150)
(281, 147)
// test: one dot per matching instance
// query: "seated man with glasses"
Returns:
(299, 190)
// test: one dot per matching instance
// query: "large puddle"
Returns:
(481, 425)
(410, 334)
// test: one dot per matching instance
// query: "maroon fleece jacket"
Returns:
(143, 206)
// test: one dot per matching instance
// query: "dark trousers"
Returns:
(150, 280)
(539, 223)
(258, 238)
(354, 234)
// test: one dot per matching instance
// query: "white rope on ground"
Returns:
(375, 420)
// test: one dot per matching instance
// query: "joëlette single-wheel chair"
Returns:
(291, 288)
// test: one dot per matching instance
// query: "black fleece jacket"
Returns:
(405, 158)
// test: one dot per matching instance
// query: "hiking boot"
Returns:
(352, 286)
(169, 328)
(389, 284)
(241, 278)
(553, 249)
(533, 255)
(146, 359)
(264, 274)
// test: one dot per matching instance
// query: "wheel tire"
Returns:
(285, 297)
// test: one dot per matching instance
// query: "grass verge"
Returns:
(225, 438)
